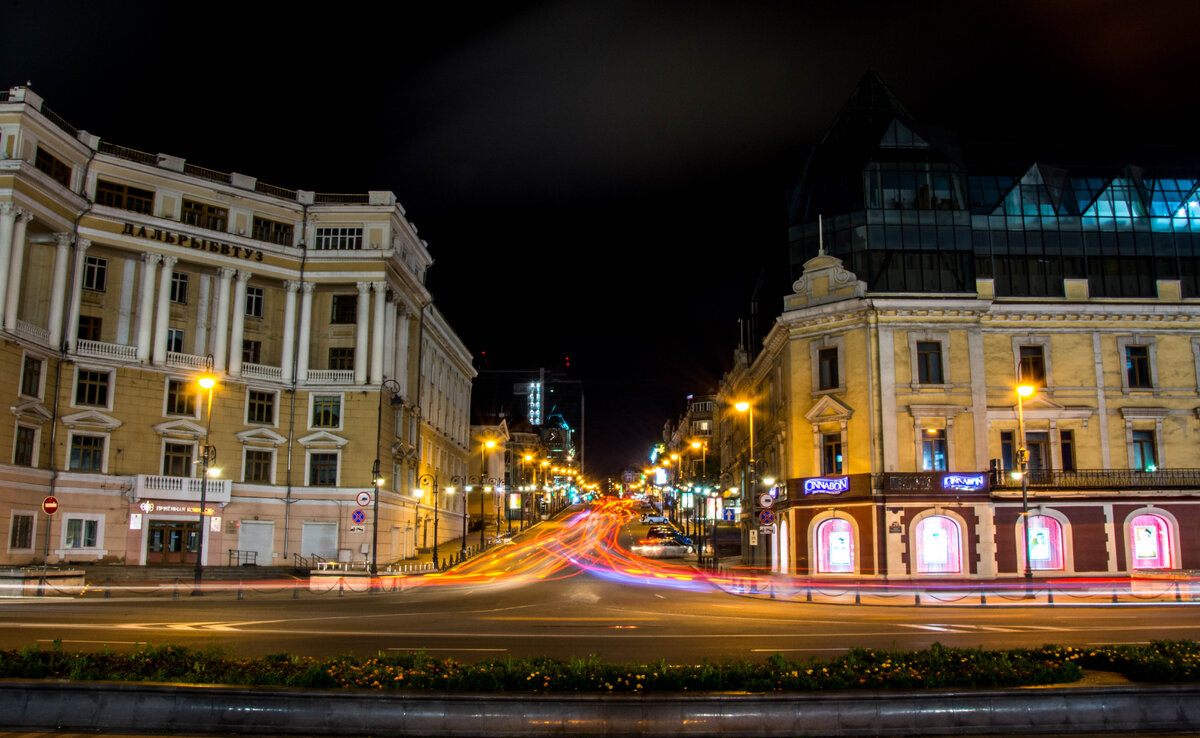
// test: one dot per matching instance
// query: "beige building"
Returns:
(128, 275)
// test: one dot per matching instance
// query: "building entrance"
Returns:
(172, 542)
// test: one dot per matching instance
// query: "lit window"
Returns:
(1045, 543)
(933, 449)
(835, 547)
(81, 533)
(1150, 542)
(1145, 457)
(181, 398)
(938, 547)
(327, 411)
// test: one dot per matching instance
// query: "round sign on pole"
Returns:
(766, 517)
(364, 499)
(766, 500)
(50, 505)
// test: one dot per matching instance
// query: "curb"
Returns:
(165, 708)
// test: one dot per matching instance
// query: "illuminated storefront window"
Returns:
(1150, 542)
(937, 546)
(835, 547)
(1045, 543)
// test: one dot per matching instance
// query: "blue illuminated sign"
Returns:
(822, 486)
(965, 482)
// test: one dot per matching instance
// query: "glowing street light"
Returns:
(206, 381)
(1024, 391)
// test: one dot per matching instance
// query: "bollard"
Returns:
(983, 597)
(916, 597)
(341, 587)
(239, 596)
(857, 595)
(1049, 595)
(296, 590)
(1178, 594)
(808, 595)
(107, 588)
(1114, 594)
(176, 595)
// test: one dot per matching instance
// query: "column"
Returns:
(12, 299)
(305, 331)
(58, 290)
(289, 329)
(401, 371)
(221, 312)
(81, 247)
(360, 337)
(8, 220)
(162, 313)
(145, 300)
(239, 323)
(377, 332)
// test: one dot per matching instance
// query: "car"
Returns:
(661, 547)
(661, 531)
(651, 518)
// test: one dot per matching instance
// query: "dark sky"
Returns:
(596, 179)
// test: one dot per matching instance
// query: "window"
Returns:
(1033, 366)
(177, 460)
(702, 427)
(53, 167)
(87, 453)
(338, 238)
(1045, 542)
(322, 470)
(91, 388)
(929, 362)
(257, 467)
(1038, 445)
(835, 547)
(272, 231)
(124, 197)
(1145, 457)
(1150, 542)
(327, 411)
(251, 352)
(1066, 442)
(80, 533)
(25, 443)
(341, 358)
(345, 309)
(179, 288)
(181, 398)
(254, 302)
(204, 215)
(933, 449)
(95, 273)
(831, 453)
(31, 377)
(1137, 366)
(175, 340)
(1007, 453)
(937, 545)
(827, 362)
(260, 407)
(21, 533)
(89, 328)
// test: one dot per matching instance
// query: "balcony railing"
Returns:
(331, 376)
(262, 371)
(33, 332)
(1114, 479)
(187, 361)
(106, 350)
(182, 488)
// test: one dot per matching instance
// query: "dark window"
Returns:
(933, 449)
(52, 166)
(177, 460)
(322, 470)
(1007, 454)
(341, 358)
(252, 352)
(179, 288)
(345, 309)
(254, 302)
(258, 466)
(91, 388)
(827, 367)
(22, 532)
(175, 340)
(1066, 442)
(831, 453)
(81, 533)
(272, 231)
(31, 377)
(1033, 366)
(89, 328)
(260, 407)
(95, 273)
(1038, 446)
(929, 362)
(87, 453)
(181, 398)
(23, 450)
(338, 238)
(204, 215)
(1145, 456)
(327, 411)
(1137, 366)
(124, 197)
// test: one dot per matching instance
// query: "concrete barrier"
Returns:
(165, 708)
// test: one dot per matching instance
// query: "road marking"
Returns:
(107, 643)
(434, 648)
(781, 650)
(972, 628)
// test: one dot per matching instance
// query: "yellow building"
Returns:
(128, 275)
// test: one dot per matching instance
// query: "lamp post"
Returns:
(752, 487)
(432, 480)
(1024, 391)
(703, 446)
(457, 480)
(483, 476)
(392, 387)
(206, 381)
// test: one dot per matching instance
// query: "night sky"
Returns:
(599, 180)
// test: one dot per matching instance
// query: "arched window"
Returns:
(1045, 543)
(938, 546)
(1150, 542)
(835, 547)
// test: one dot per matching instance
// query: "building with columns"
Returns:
(127, 276)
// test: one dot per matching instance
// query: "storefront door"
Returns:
(172, 542)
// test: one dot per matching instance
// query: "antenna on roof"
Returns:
(820, 236)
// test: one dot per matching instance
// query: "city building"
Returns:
(128, 275)
(884, 424)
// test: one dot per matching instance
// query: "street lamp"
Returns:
(392, 387)
(206, 381)
(1024, 391)
(483, 476)
(432, 480)
(457, 480)
(748, 498)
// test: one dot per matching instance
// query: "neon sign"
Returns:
(964, 482)
(822, 486)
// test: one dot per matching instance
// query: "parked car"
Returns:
(654, 518)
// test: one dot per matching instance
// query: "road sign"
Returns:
(358, 516)
(727, 514)
(766, 500)
(364, 499)
(766, 517)
(767, 529)
(50, 505)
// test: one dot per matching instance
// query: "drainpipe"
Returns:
(287, 500)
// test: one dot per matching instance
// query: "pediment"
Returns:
(91, 419)
(180, 428)
(31, 410)
(323, 439)
(828, 409)
(261, 437)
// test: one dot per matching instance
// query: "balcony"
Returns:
(103, 350)
(1102, 479)
(262, 371)
(185, 489)
(331, 376)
